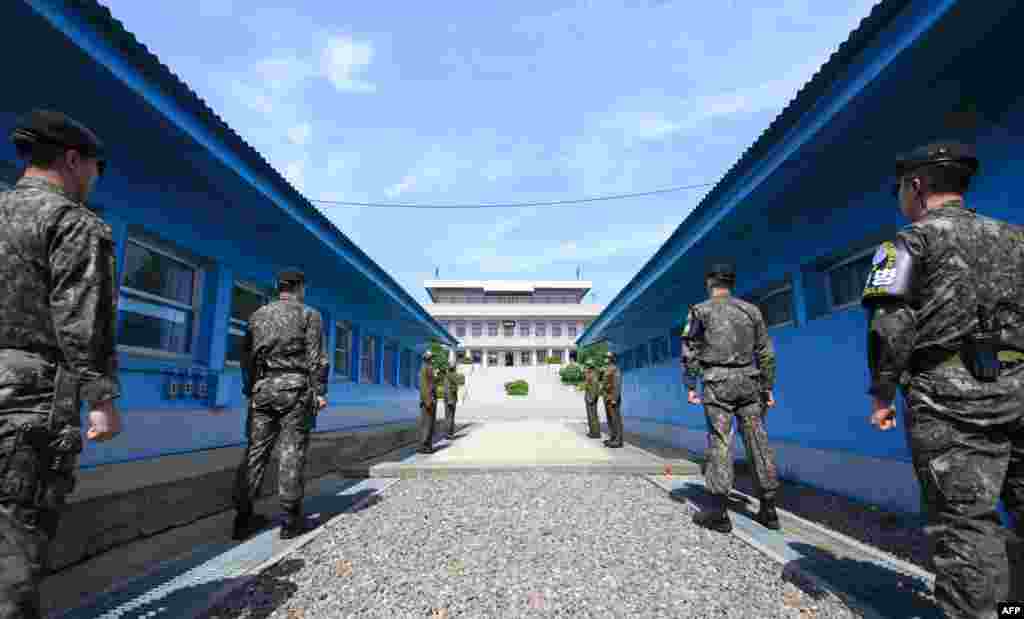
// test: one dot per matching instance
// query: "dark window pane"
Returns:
(235, 343)
(157, 274)
(847, 281)
(777, 308)
(147, 325)
(244, 302)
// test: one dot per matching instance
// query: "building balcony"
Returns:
(517, 342)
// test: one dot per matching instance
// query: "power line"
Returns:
(620, 196)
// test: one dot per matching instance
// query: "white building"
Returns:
(512, 323)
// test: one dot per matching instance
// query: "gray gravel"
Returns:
(526, 545)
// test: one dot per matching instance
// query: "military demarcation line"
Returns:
(636, 529)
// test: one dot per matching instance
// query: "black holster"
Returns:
(979, 350)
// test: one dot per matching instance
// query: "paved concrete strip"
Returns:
(187, 587)
(864, 576)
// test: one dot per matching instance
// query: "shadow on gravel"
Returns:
(890, 592)
(327, 506)
(257, 599)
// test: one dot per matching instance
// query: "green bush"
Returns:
(554, 360)
(571, 374)
(517, 387)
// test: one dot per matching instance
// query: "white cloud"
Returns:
(343, 60)
(300, 134)
(295, 173)
(407, 183)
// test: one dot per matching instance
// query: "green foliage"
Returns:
(594, 352)
(517, 387)
(571, 374)
(552, 360)
(439, 358)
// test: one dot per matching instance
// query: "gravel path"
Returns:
(525, 545)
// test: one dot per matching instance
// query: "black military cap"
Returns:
(721, 270)
(933, 154)
(49, 127)
(291, 275)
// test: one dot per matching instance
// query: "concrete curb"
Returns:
(791, 568)
(407, 471)
(252, 574)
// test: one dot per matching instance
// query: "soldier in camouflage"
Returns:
(723, 338)
(57, 342)
(591, 391)
(428, 405)
(451, 397)
(284, 375)
(930, 292)
(612, 391)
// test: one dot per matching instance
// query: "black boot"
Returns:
(767, 515)
(246, 524)
(715, 517)
(294, 524)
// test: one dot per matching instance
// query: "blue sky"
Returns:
(453, 103)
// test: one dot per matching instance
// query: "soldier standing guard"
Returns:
(284, 375)
(428, 405)
(451, 397)
(721, 341)
(612, 386)
(591, 391)
(57, 342)
(947, 325)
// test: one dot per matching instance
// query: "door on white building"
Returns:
(509, 359)
(492, 358)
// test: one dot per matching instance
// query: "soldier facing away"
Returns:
(428, 405)
(723, 338)
(612, 391)
(591, 391)
(284, 375)
(57, 343)
(946, 304)
(451, 397)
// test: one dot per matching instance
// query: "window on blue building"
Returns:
(659, 350)
(389, 364)
(675, 340)
(158, 301)
(627, 360)
(406, 368)
(367, 365)
(641, 356)
(245, 299)
(777, 306)
(847, 279)
(342, 350)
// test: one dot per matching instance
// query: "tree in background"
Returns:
(595, 353)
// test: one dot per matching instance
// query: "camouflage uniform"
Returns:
(592, 389)
(722, 338)
(284, 369)
(57, 279)
(428, 406)
(612, 392)
(966, 436)
(451, 397)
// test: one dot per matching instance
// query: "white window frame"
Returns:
(556, 325)
(473, 328)
(347, 377)
(777, 291)
(460, 324)
(496, 326)
(571, 328)
(540, 328)
(372, 379)
(524, 328)
(525, 357)
(828, 278)
(236, 326)
(195, 309)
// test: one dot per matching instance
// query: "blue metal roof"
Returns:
(805, 99)
(99, 18)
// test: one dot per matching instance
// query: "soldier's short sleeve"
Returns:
(83, 300)
(891, 278)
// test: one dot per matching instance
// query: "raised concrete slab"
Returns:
(876, 583)
(529, 445)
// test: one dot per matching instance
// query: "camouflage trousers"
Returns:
(593, 421)
(612, 410)
(724, 400)
(27, 528)
(428, 419)
(449, 417)
(964, 468)
(288, 416)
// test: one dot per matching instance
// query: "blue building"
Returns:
(202, 224)
(800, 214)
